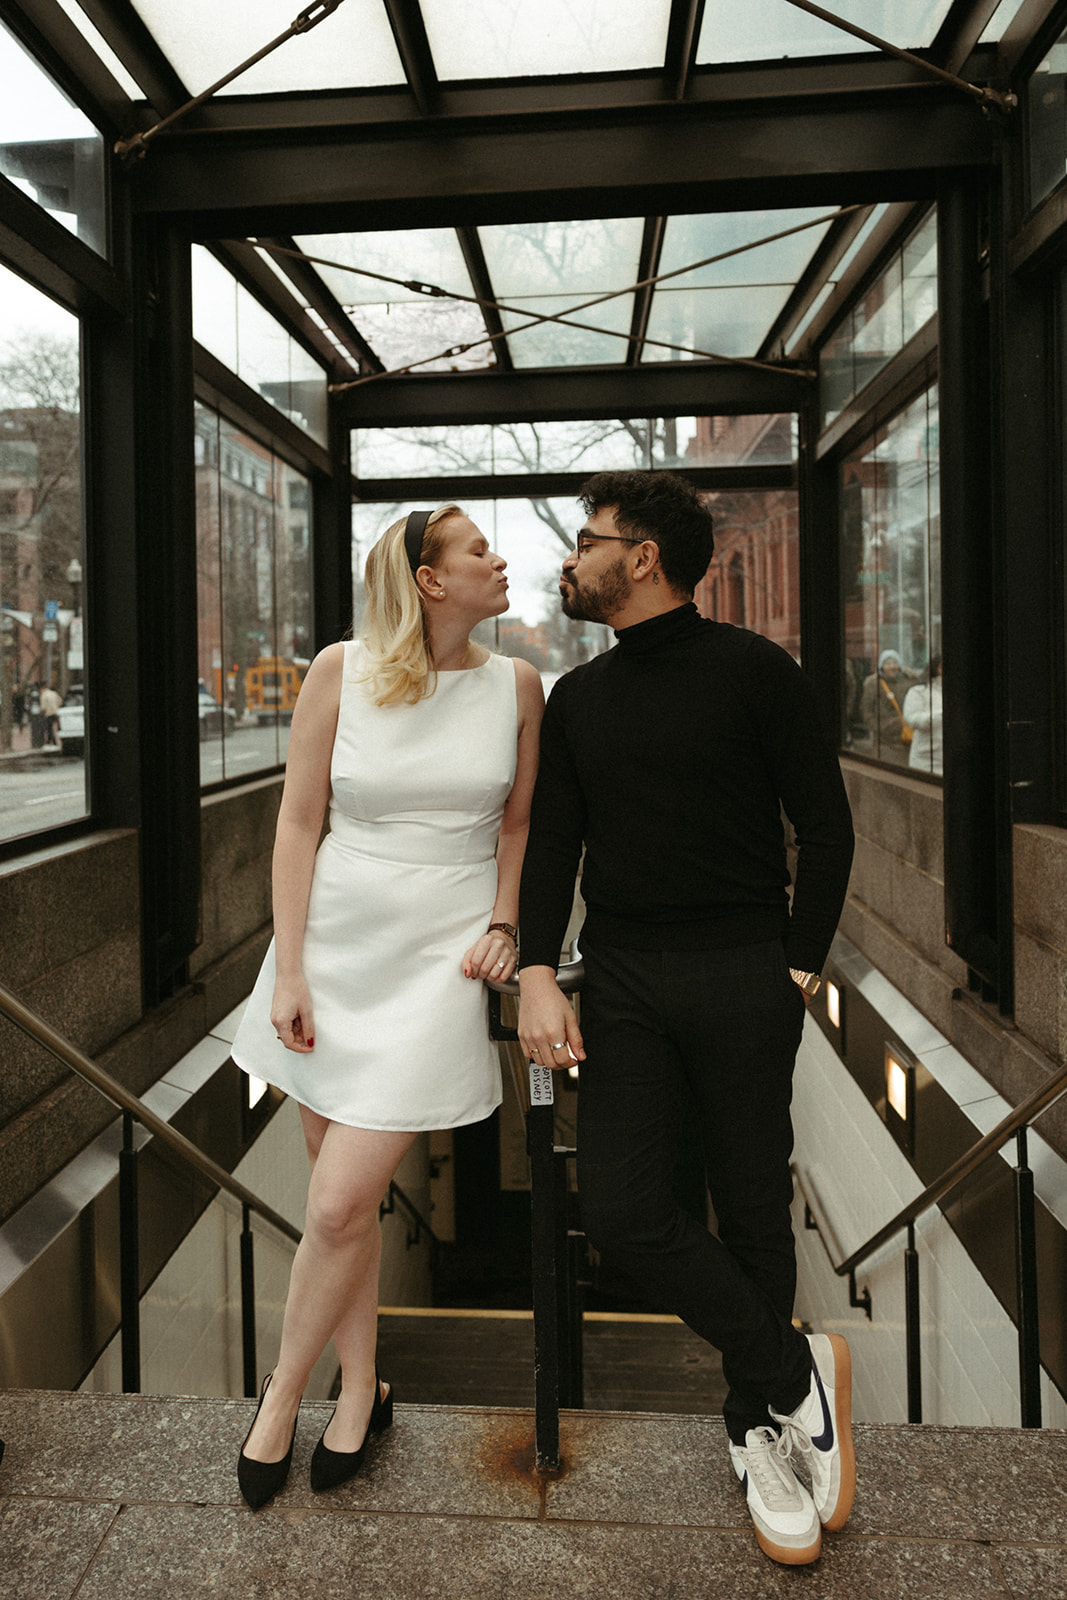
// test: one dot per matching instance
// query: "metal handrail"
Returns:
(1014, 1125)
(43, 1032)
(1023, 1114)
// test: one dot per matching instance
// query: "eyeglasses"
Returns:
(584, 540)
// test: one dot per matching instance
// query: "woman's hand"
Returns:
(492, 956)
(291, 1014)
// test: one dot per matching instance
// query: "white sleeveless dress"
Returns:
(404, 883)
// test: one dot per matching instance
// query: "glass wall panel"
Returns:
(526, 447)
(1047, 114)
(42, 571)
(892, 310)
(891, 592)
(48, 147)
(253, 554)
(242, 334)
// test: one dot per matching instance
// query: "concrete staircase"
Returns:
(106, 1497)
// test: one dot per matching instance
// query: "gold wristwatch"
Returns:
(808, 982)
(505, 927)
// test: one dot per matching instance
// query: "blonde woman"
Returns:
(370, 1009)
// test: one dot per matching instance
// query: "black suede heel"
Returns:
(259, 1480)
(331, 1468)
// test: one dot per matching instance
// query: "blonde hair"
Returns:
(393, 632)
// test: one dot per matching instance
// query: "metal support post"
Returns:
(248, 1302)
(911, 1301)
(129, 1261)
(1026, 1286)
(540, 1147)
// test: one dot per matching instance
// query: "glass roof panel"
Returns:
(1001, 20)
(721, 322)
(511, 38)
(764, 30)
(553, 344)
(545, 268)
(693, 239)
(203, 40)
(96, 42)
(428, 255)
(418, 335)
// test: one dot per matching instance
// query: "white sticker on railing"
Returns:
(542, 1092)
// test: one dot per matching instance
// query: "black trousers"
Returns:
(710, 1033)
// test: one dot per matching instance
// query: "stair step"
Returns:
(127, 1497)
(631, 1362)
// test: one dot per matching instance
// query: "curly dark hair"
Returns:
(663, 507)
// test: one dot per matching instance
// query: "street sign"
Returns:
(51, 612)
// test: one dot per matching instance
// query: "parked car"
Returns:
(213, 717)
(72, 722)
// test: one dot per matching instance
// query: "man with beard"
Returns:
(670, 759)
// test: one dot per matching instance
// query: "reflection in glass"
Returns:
(48, 147)
(889, 313)
(769, 29)
(42, 574)
(1047, 108)
(254, 598)
(508, 38)
(733, 441)
(890, 583)
(754, 577)
(242, 334)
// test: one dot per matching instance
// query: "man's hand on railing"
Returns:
(548, 1029)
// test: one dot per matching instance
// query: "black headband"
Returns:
(413, 536)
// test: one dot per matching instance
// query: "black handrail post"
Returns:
(1026, 1286)
(541, 1150)
(567, 1300)
(912, 1328)
(248, 1302)
(129, 1261)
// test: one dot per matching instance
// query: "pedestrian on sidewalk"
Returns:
(669, 761)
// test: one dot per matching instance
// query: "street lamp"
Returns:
(74, 578)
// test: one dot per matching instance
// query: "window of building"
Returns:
(48, 147)
(42, 574)
(754, 577)
(253, 598)
(891, 592)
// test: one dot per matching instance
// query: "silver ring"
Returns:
(559, 1046)
(503, 963)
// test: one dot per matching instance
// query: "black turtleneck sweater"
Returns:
(671, 758)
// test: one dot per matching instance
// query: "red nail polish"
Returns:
(310, 1043)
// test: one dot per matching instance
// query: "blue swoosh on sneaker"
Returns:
(825, 1440)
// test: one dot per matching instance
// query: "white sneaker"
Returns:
(784, 1514)
(820, 1429)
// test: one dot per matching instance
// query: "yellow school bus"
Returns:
(271, 686)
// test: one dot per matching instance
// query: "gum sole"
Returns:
(843, 1408)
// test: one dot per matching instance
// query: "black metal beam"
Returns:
(409, 32)
(482, 284)
(647, 267)
(41, 248)
(248, 267)
(126, 33)
(683, 35)
(221, 388)
(1035, 20)
(960, 32)
(659, 389)
(552, 485)
(897, 219)
(682, 158)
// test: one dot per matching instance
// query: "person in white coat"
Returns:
(923, 712)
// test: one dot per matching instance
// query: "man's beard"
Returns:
(600, 602)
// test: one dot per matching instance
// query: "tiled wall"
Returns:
(191, 1316)
(970, 1357)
